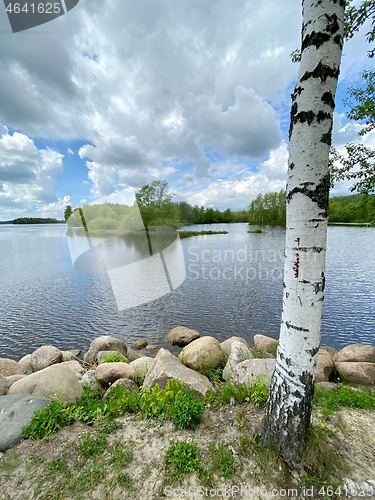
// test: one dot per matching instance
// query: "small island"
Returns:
(36, 220)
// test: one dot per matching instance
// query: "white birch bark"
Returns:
(288, 409)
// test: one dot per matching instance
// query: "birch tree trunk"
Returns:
(289, 405)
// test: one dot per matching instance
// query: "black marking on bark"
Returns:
(313, 351)
(304, 281)
(338, 40)
(316, 39)
(287, 294)
(321, 71)
(328, 99)
(293, 113)
(322, 115)
(288, 361)
(333, 24)
(305, 338)
(291, 166)
(319, 195)
(327, 137)
(298, 328)
(305, 116)
(296, 266)
(297, 92)
(308, 249)
(300, 301)
(341, 2)
(284, 285)
(319, 287)
(316, 220)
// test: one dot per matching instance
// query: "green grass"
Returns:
(180, 458)
(114, 358)
(222, 459)
(257, 392)
(330, 401)
(92, 446)
(121, 455)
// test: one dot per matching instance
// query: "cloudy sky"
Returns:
(118, 93)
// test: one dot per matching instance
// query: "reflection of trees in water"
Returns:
(116, 250)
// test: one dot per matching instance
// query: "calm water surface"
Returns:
(233, 286)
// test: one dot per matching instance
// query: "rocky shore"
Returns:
(58, 468)
(47, 373)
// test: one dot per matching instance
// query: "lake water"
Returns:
(233, 286)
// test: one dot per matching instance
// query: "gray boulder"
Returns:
(17, 411)
(227, 344)
(356, 352)
(139, 344)
(104, 343)
(152, 349)
(128, 384)
(75, 366)
(327, 386)
(357, 372)
(89, 378)
(266, 344)
(141, 366)
(45, 356)
(3, 385)
(329, 349)
(109, 372)
(182, 336)
(202, 354)
(71, 355)
(25, 363)
(247, 371)
(166, 367)
(239, 352)
(9, 367)
(132, 356)
(13, 378)
(53, 381)
(324, 366)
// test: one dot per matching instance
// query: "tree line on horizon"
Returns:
(157, 209)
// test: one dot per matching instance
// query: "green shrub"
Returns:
(114, 358)
(259, 391)
(119, 401)
(187, 410)
(156, 402)
(222, 459)
(47, 421)
(180, 458)
(239, 392)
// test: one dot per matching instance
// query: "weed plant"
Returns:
(222, 459)
(92, 446)
(187, 410)
(180, 458)
(113, 358)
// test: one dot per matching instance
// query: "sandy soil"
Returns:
(23, 468)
